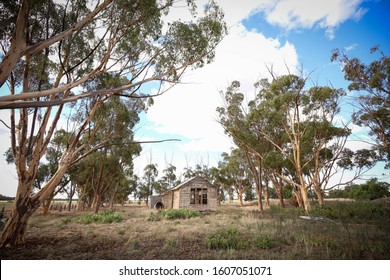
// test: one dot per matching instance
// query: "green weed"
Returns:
(107, 217)
(263, 242)
(173, 214)
(226, 238)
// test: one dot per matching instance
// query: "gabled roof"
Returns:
(186, 182)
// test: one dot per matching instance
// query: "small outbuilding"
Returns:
(155, 202)
(195, 193)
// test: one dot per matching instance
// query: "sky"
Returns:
(289, 35)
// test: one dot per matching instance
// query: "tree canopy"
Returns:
(75, 58)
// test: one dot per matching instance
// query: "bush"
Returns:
(263, 242)
(359, 210)
(107, 217)
(172, 214)
(371, 190)
(154, 217)
(226, 238)
(326, 211)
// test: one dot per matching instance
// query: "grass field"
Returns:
(348, 230)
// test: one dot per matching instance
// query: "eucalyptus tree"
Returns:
(235, 119)
(217, 180)
(237, 171)
(52, 156)
(52, 49)
(48, 167)
(311, 143)
(113, 162)
(201, 170)
(373, 102)
(291, 130)
(149, 181)
(169, 179)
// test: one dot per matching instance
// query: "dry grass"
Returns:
(272, 234)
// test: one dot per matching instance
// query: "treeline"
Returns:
(371, 190)
(3, 197)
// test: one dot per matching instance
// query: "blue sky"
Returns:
(291, 33)
(262, 32)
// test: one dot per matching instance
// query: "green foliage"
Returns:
(226, 238)
(173, 214)
(249, 195)
(361, 211)
(287, 130)
(185, 213)
(107, 217)
(368, 191)
(232, 238)
(373, 103)
(263, 242)
(3, 197)
(154, 217)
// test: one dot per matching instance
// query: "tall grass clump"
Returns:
(173, 214)
(358, 210)
(226, 238)
(107, 217)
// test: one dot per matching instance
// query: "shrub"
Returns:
(107, 217)
(226, 238)
(263, 242)
(325, 211)
(154, 217)
(359, 210)
(172, 214)
(372, 189)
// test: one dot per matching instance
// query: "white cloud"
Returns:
(234, 12)
(351, 47)
(189, 109)
(7, 171)
(293, 14)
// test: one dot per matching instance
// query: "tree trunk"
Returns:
(240, 198)
(259, 191)
(266, 194)
(280, 196)
(319, 196)
(72, 191)
(97, 200)
(70, 203)
(298, 197)
(14, 231)
(259, 201)
(25, 205)
(305, 199)
(279, 191)
(46, 204)
(112, 198)
(278, 184)
(260, 188)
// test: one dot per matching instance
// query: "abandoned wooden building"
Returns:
(195, 193)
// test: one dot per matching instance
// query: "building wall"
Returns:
(181, 198)
(167, 200)
(176, 199)
(153, 200)
(185, 196)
